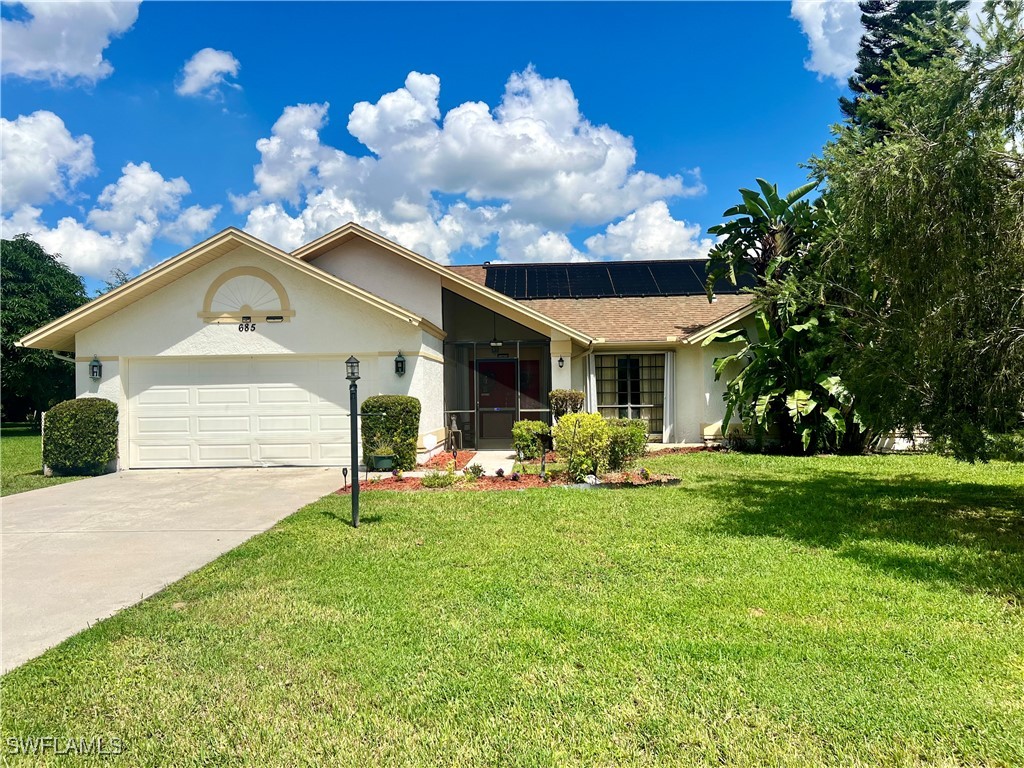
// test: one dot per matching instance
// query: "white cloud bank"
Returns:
(206, 72)
(119, 231)
(62, 41)
(41, 159)
(527, 171)
(42, 162)
(833, 31)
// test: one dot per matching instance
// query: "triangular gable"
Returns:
(60, 334)
(451, 280)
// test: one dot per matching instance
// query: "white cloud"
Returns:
(527, 242)
(63, 40)
(206, 72)
(651, 233)
(119, 232)
(41, 160)
(833, 31)
(528, 171)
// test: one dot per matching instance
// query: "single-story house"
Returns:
(233, 352)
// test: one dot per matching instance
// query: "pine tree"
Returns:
(887, 24)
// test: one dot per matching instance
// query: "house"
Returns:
(233, 352)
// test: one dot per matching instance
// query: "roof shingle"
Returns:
(629, 319)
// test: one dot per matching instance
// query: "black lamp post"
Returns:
(352, 369)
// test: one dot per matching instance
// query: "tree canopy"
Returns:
(35, 288)
(889, 33)
(925, 237)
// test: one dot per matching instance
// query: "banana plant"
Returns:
(768, 230)
(776, 392)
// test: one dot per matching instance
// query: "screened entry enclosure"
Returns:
(632, 387)
(496, 372)
(487, 389)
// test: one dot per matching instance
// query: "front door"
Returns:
(497, 404)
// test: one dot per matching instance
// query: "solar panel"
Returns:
(590, 280)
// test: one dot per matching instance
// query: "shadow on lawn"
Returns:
(966, 534)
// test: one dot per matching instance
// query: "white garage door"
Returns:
(198, 412)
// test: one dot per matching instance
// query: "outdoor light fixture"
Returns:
(495, 344)
(400, 364)
(275, 318)
(561, 362)
(95, 368)
(352, 369)
(246, 318)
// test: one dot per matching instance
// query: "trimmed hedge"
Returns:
(565, 401)
(526, 436)
(627, 442)
(80, 436)
(399, 426)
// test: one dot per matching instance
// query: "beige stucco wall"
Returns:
(387, 275)
(327, 322)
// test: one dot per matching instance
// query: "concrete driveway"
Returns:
(79, 552)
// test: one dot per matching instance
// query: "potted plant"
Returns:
(382, 456)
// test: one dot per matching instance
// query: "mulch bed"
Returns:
(676, 451)
(416, 484)
(440, 461)
(633, 479)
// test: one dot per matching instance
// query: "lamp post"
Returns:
(352, 368)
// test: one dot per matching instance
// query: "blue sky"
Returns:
(528, 131)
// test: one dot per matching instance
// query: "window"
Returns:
(632, 387)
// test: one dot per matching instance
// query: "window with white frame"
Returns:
(632, 387)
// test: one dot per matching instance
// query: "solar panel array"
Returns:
(595, 280)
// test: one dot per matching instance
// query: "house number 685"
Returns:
(246, 327)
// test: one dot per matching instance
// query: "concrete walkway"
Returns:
(491, 461)
(76, 553)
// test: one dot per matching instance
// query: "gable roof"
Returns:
(452, 280)
(60, 334)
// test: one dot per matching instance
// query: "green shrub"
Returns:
(526, 438)
(582, 442)
(392, 420)
(80, 436)
(475, 471)
(1006, 447)
(627, 442)
(565, 401)
(435, 479)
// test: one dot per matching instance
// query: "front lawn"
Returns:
(21, 460)
(766, 611)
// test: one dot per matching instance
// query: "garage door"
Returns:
(188, 412)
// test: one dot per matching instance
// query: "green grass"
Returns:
(766, 611)
(21, 460)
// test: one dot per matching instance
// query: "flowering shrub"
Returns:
(514, 477)
(499, 472)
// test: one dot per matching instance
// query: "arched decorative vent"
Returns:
(246, 292)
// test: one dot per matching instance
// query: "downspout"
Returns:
(58, 355)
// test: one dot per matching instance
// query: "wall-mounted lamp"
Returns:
(561, 362)
(95, 369)
(246, 318)
(400, 364)
(275, 318)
